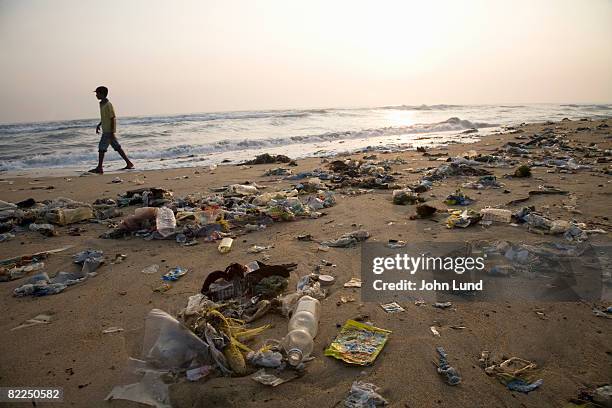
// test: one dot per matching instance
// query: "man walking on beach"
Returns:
(108, 122)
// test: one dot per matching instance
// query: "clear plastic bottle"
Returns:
(165, 221)
(303, 327)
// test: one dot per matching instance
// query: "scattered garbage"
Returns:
(196, 374)
(462, 219)
(348, 240)
(392, 307)
(496, 215)
(458, 198)
(39, 319)
(7, 236)
(358, 343)
(442, 305)
(606, 313)
(238, 280)
(19, 266)
(272, 380)
(364, 395)
(265, 358)
(303, 328)
(112, 330)
(445, 369)
(90, 259)
(326, 280)
(483, 182)
(353, 283)
(255, 249)
(405, 196)
(395, 244)
(165, 221)
(516, 373)
(47, 230)
(434, 331)
(167, 346)
(174, 274)
(151, 269)
(225, 245)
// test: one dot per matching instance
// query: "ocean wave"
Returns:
(152, 152)
(423, 107)
(166, 120)
(588, 106)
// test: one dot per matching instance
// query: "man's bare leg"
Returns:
(100, 162)
(128, 163)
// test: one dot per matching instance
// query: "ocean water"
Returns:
(156, 142)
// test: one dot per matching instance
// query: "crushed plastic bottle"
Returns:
(303, 328)
(165, 221)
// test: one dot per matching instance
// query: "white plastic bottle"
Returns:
(303, 327)
(165, 221)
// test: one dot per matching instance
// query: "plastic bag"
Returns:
(364, 395)
(170, 345)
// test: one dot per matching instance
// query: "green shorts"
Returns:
(108, 139)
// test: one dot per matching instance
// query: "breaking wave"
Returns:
(83, 156)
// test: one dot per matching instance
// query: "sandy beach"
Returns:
(570, 344)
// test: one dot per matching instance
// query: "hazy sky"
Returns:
(194, 56)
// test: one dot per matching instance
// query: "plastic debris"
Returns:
(606, 313)
(348, 239)
(405, 196)
(272, 380)
(442, 305)
(496, 215)
(195, 374)
(444, 368)
(462, 219)
(395, 244)
(112, 330)
(353, 283)
(175, 274)
(358, 343)
(364, 395)
(267, 358)
(225, 245)
(392, 307)
(151, 269)
(458, 198)
(90, 259)
(516, 373)
(39, 319)
(255, 249)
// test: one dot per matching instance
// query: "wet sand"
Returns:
(572, 346)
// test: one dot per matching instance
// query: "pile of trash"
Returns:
(210, 335)
(538, 223)
(242, 207)
(42, 217)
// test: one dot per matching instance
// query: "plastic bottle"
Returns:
(303, 328)
(165, 221)
(496, 215)
(65, 216)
